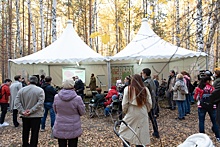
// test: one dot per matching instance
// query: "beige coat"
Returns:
(30, 97)
(177, 95)
(14, 88)
(137, 118)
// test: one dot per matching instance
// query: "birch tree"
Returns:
(54, 36)
(177, 23)
(210, 41)
(42, 24)
(199, 26)
(188, 26)
(33, 27)
(18, 27)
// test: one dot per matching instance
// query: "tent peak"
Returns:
(69, 22)
(144, 20)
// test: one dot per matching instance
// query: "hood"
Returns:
(67, 95)
(44, 85)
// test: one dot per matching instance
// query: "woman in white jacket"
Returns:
(179, 96)
(136, 104)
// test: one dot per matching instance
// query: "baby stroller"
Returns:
(117, 123)
(95, 104)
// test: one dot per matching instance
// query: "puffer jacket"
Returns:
(68, 107)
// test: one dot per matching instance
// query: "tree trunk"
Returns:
(18, 35)
(3, 42)
(199, 25)
(177, 24)
(129, 21)
(33, 27)
(47, 26)
(116, 26)
(42, 24)
(9, 30)
(188, 27)
(22, 53)
(54, 36)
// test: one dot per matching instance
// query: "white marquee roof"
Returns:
(148, 45)
(69, 48)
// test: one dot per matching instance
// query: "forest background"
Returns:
(107, 26)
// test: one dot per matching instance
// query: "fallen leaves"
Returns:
(98, 132)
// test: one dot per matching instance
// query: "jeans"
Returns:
(48, 106)
(188, 102)
(107, 111)
(212, 115)
(154, 123)
(33, 125)
(4, 108)
(71, 142)
(171, 102)
(191, 97)
(181, 109)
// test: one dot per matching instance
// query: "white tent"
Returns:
(148, 50)
(69, 52)
(69, 48)
(148, 45)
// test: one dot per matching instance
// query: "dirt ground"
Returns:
(98, 132)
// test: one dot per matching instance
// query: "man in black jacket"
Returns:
(79, 87)
(50, 92)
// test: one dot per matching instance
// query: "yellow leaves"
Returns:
(94, 35)
(162, 2)
(105, 38)
(120, 24)
(152, 15)
(151, 8)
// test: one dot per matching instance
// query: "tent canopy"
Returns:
(69, 48)
(148, 45)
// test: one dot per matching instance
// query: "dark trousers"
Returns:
(4, 108)
(33, 125)
(154, 122)
(15, 117)
(69, 142)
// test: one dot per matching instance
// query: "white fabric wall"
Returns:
(26, 70)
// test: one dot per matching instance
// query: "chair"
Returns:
(95, 105)
(115, 109)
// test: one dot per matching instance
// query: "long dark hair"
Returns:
(137, 87)
(203, 82)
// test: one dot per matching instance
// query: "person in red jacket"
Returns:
(108, 97)
(5, 91)
(204, 87)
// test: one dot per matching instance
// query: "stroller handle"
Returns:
(117, 123)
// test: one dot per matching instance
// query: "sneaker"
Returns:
(5, 124)
(218, 140)
(42, 130)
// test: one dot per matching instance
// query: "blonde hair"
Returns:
(68, 84)
(179, 76)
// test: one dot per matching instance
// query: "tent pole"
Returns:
(109, 74)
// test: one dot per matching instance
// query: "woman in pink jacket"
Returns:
(68, 107)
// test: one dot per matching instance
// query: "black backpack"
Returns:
(205, 100)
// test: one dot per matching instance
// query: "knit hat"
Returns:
(68, 84)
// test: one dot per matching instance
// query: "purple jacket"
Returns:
(68, 107)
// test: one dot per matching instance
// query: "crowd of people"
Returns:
(138, 97)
